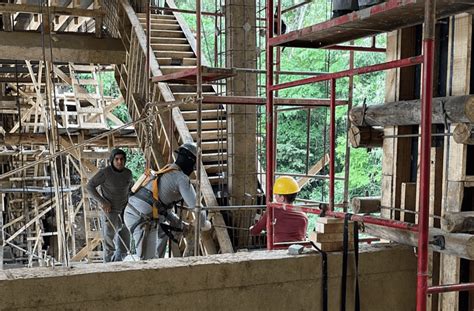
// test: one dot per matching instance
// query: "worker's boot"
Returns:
(342, 7)
(366, 3)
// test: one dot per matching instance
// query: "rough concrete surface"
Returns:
(243, 281)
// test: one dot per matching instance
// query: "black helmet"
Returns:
(190, 147)
(115, 152)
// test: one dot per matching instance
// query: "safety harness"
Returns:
(153, 199)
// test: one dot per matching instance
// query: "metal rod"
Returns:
(269, 123)
(332, 143)
(148, 31)
(426, 115)
(406, 62)
(295, 6)
(450, 288)
(197, 227)
(360, 218)
(347, 156)
(307, 175)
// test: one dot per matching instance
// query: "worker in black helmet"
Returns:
(149, 214)
(115, 182)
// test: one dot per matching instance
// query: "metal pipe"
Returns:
(197, 227)
(450, 288)
(332, 143)
(269, 123)
(426, 115)
(356, 48)
(347, 156)
(148, 40)
(360, 218)
(308, 176)
(410, 61)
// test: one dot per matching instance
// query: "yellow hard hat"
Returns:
(285, 185)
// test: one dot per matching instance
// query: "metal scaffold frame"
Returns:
(427, 59)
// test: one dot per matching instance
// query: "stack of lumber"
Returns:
(328, 234)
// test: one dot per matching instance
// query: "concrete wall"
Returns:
(244, 281)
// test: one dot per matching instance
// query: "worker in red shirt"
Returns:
(289, 224)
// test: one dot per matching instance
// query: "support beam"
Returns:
(40, 139)
(458, 222)
(458, 244)
(454, 109)
(464, 134)
(77, 48)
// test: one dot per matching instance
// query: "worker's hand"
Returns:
(107, 207)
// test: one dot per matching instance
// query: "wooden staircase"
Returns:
(173, 53)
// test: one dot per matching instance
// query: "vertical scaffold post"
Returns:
(332, 143)
(269, 125)
(426, 111)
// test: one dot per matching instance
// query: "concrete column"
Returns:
(240, 16)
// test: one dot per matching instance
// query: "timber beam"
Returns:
(453, 109)
(14, 139)
(458, 244)
(53, 10)
(366, 205)
(76, 48)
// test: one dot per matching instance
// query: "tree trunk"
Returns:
(454, 109)
(459, 222)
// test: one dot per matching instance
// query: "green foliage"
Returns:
(135, 162)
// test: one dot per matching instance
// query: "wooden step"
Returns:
(157, 21)
(220, 146)
(155, 16)
(174, 54)
(156, 26)
(214, 157)
(168, 61)
(170, 47)
(172, 69)
(180, 40)
(215, 168)
(193, 107)
(215, 180)
(210, 134)
(166, 33)
(207, 125)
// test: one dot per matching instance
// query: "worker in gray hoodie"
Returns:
(115, 182)
(149, 213)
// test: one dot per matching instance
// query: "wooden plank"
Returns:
(408, 201)
(314, 170)
(459, 70)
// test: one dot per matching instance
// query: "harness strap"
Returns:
(325, 276)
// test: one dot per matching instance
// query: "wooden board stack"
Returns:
(328, 234)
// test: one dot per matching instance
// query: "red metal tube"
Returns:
(356, 48)
(450, 288)
(332, 143)
(426, 115)
(269, 125)
(360, 218)
(351, 72)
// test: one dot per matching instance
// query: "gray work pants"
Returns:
(116, 237)
(150, 240)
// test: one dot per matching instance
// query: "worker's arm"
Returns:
(259, 226)
(97, 180)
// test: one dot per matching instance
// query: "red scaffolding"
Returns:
(381, 18)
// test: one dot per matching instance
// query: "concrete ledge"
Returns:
(243, 281)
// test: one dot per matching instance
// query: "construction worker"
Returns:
(149, 213)
(290, 224)
(115, 182)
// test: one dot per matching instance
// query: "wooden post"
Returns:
(2, 233)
